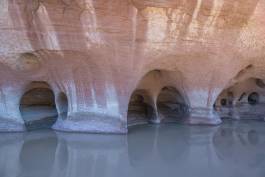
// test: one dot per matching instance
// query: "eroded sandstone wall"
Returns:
(98, 52)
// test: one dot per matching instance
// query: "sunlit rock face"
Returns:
(98, 53)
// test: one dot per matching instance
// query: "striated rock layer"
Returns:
(115, 63)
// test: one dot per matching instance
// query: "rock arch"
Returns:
(150, 91)
(171, 105)
(37, 106)
(245, 100)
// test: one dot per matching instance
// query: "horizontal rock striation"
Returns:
(99, 53)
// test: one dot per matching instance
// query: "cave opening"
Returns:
(245, 100)
(37, 106)
(253, 98)
(171, 105)
(140, 110)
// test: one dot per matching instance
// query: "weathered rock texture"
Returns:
(96, 54)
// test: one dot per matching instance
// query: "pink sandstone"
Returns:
(98, 53)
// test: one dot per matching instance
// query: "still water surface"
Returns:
(234, 149)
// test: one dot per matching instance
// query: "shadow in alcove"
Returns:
(171, 106)
(140, 110)
(37, 106)
(242, 100)
(62, 106)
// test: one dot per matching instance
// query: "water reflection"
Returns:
(37, 156)
(10, 146)
(142, 153)
(174, 147)
(241, 146)
(233, 149)
(88, 155)
(253, 137)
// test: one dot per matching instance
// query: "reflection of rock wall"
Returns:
(239, 145)
(93, 155)
(30, 154)
(97, 51)
(10, 150)
(146, 150)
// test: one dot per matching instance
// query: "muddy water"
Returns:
(234, 149)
